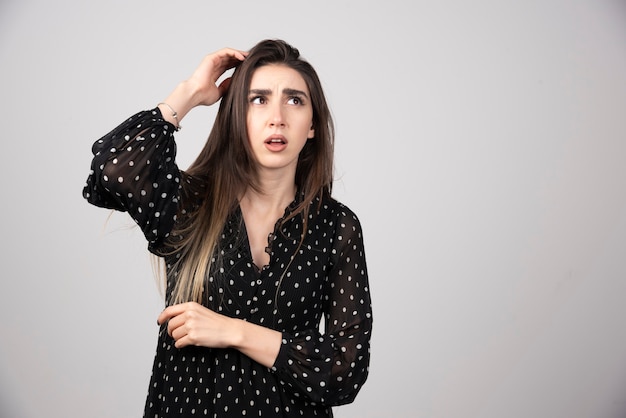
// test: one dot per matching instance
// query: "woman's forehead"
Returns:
(277, 76)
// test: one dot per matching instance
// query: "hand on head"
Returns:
(201, 88)
(212, 67)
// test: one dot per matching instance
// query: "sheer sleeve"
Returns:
(134, 171)
(331, 368)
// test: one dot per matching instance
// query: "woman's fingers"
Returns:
(223, 87)
(217, 63)
(193, 324)
(170, 312)
(177, 318)
(230, 57)
(212, 67)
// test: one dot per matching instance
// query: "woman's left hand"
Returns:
(193, 324)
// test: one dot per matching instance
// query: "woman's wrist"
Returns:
(237, 334)
(257, 342)
(180, 101)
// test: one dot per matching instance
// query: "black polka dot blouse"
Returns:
(326, 283)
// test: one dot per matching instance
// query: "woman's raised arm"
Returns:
(201, 88)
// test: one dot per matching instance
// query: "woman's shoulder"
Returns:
(340, 212)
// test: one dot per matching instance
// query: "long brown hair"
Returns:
(227, 167)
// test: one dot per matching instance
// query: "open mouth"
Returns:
(275, 141)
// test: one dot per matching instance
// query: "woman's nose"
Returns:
(277, 118)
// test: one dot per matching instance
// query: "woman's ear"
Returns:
(311, 134)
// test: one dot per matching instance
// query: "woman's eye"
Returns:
(257, 100)
(294, 100)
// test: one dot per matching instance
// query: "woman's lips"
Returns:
(276, 143)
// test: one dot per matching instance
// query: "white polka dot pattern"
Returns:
(133, 170)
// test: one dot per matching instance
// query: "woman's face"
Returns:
(280, 116)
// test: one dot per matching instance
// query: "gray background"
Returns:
(482, 144)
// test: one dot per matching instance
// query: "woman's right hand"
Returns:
(212, 67)
(202, 88)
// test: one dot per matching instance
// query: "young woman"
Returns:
(256, 252)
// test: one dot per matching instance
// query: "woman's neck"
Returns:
(274, 193)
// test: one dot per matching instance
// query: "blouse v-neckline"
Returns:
(271, 237)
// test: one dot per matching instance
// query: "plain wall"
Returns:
(482, 144)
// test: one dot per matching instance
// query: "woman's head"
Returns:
(278, 52)
(314, 172)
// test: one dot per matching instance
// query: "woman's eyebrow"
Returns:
(294, 92)
(286, 92)
(261, 92)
